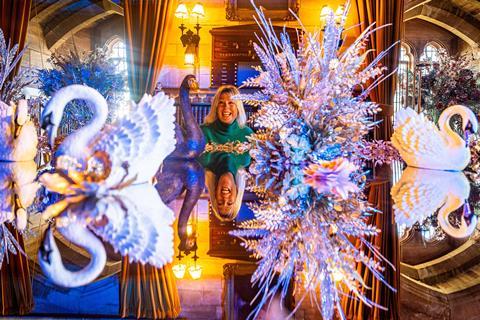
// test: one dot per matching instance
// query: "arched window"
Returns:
(405, 78)
(117, 52)
(431, 52)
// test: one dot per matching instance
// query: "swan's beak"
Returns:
(193, 84)
(468, 132)
(467, 213)
(46, 247)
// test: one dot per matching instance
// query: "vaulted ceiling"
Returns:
(460, 17)
(59, 19)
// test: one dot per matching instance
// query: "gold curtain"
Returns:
(146, 291)
(147, 25)
(14, 16)
(16, 295)
(383, 12)
(387, 243)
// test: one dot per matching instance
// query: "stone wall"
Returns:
(418, 33)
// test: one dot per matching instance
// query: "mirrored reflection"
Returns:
(436, 212)
(176, 177)
(225, 179)
(17, 193)
(432, 199)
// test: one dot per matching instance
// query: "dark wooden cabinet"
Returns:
(242, 10)
(233, 54)
(222, 244)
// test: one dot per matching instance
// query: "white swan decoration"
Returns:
(105, 177)
(421, 144)
(51, 261)
(420, 193)
(18, 135)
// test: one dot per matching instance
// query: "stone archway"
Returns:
(466, 27)
(58, 20)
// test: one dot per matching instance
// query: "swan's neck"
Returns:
(76, 144)
(454, 139)
(81, 236)
(191, 125)
(453, 203)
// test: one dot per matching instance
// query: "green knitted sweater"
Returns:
(220, 133)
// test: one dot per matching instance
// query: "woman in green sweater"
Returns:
(226, 121)
(225, 124)
(225, 178)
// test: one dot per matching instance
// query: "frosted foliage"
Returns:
(305, 166)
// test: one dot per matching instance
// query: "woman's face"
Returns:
(225, 194)
(227, 109)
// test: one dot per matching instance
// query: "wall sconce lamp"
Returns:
(188, 243)
(190, 54)
(179, 270)
(190, 39)
(327, 12)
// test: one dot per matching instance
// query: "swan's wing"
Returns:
(415, 200)
(416, 134)
(138, 224)
(143, 138)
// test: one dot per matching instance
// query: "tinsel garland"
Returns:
(11, 90)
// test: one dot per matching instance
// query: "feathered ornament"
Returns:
(305, 162)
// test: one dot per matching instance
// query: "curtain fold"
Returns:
(382, 13)
(388, 245)
(147, 25)
(14, 16)
(16, 296)
(148, 292)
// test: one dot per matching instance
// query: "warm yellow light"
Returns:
(198, 10)
(325, 13)
(182, 11)
(339, 13)
(195, 272)
(179, 270)
(337, 275)
(189, 230)
(190, 57)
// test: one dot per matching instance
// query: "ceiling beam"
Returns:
(60, 32)
(410, 5)
(448, 21)
(48, 10)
